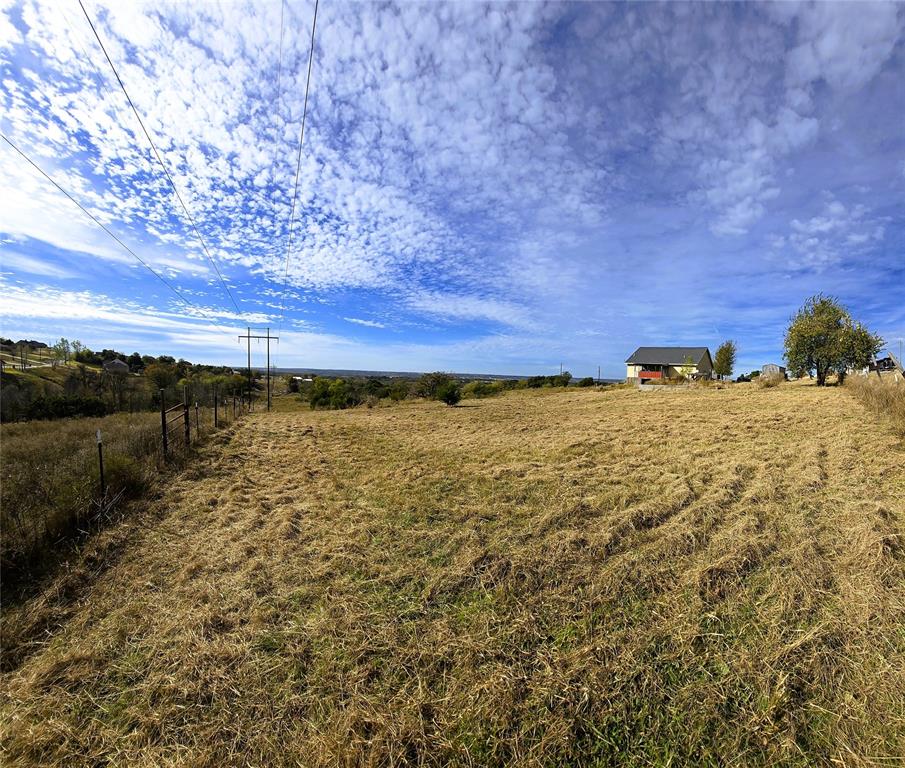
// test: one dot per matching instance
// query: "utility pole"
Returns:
(249, 336)
(598, 375)
(268, 368)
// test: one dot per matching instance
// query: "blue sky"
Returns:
(494, 188)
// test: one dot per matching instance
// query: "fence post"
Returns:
(163, 423)
(100, 462)
(234, 407)
(185, 413)
(215, 408)
(197, 423)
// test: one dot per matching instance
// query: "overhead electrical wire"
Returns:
(100, 224)
(188, 302)
(160, 159)
(298, 167)
(278, 114)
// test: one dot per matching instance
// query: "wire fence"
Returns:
(64, 478)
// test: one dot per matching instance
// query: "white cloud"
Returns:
(446, 306)
(367, 323)
(835, 232)
(33, 266)
(844, 44)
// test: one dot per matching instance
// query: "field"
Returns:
(580, 577)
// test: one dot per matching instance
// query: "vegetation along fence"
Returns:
(61, 478)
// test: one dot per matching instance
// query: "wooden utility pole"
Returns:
(268, 338)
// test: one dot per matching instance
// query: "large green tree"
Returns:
(724, 361)
(822, 338)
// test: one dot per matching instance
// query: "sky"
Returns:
(482, 187)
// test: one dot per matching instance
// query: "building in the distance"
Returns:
(649, 363)
(772, 369)
(116, 367)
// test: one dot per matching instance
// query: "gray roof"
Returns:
(667, 355)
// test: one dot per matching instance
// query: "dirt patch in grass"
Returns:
(549, 578)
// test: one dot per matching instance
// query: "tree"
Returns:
(162, 376)
(724, 361)
(823, 338)
(859, 347)
(136, 364)
(62, 349)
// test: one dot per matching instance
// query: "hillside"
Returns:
(543, 578)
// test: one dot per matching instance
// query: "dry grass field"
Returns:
(707, 577)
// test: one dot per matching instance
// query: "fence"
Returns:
(65, 477)
(180, 414)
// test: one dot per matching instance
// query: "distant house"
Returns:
(116, 367)
(648, 363)
(773, 368)
(883, 364)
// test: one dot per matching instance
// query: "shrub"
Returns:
(482, 389)
(449, 393)
(398, 390)
(57, 407)
(587, 381)
(428, 385)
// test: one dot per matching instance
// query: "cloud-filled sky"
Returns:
(483, 187)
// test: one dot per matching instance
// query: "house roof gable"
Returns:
(668, 355)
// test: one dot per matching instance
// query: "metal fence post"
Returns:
(163, 423)
(100, 463)
(197, 423)
(215, 409)
(185, 413)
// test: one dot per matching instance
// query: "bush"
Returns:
(482, 389)
(449, 393)
(336, 394)
(587, 381)
(398, 390)
(64, 407)
(429, 384)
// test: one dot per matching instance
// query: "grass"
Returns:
(885, 396)
(579, 577)
(51, 479)
(50, 487)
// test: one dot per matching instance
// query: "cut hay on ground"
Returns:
(715, 577)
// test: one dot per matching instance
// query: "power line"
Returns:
(188, 302)
(102, 225)
(160, 160)
(298, 167)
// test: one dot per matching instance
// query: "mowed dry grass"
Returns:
(544, 578)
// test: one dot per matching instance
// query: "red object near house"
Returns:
(650, 375)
